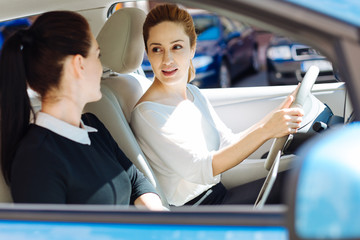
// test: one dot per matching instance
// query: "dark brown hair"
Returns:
(34, 57)
(172, 13)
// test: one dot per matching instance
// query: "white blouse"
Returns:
(179, 142)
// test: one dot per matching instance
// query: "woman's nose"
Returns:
(167, 58)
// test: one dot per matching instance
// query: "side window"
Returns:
(260, 58)
(240, 27)
(287, 62)
(227, 25)
(206, 27)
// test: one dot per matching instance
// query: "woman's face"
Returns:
(93, 71)
(169, 52)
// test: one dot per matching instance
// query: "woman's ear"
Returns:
(77, 64)
(193, 50)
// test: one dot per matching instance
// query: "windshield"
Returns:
(345, 10)
(206, 27)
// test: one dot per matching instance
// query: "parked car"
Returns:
(333, 29)
(225, 49)
(287, 62)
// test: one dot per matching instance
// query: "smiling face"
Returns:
(169, 52)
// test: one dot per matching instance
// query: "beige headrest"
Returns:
(121, 41)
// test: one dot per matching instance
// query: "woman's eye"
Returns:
(176, 47)
(155, 50)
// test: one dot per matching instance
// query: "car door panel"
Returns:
(240, 108)
(115, 222)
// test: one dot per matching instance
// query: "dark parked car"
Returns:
(287, 62)
(225, 49)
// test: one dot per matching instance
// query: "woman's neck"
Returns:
(171, 94)
(64, 109)
(171, 91)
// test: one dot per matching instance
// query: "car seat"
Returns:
(5, 195)
(122, 50)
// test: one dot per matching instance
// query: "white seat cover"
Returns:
(122, 50)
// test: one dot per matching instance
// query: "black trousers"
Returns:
(244, 194)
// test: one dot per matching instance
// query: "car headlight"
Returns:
(279, 53)
(202, 61)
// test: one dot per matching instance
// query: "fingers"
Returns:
(293, 112)
(293, 115)
(291, 128)
(290, 98)
(288, 101)
(292, 131)
(292, 118)
(293, 125)
(294, 93)
(284, 121)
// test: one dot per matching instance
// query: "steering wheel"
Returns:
(303, 94)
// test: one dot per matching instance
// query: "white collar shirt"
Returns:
(62, 128)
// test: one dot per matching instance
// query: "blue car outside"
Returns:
(225, 49)
(9, 27)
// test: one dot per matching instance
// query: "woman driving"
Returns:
(184, 139)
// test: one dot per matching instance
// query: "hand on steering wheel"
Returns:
(302, 95)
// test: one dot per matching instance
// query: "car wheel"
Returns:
(224, 75)
(255, 65)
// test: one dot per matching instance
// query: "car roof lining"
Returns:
(13, 9)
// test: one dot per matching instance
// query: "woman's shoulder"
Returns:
(150, 95)
(35, 135)
(195, 91)
(152, 103)
(38, 143)
(89, 118)
(151, 115)
(199, 97)
(92, 120)
(151, 112)
(193, 88)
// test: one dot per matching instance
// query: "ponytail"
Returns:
(14, 100)
(192, 72)
(34, 57)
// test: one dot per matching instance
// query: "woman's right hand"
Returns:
(283, 120)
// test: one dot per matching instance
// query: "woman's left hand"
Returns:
(150, 201)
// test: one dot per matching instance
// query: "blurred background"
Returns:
(231, 53)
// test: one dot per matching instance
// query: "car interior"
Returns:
(122, 52)
(124, 83)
